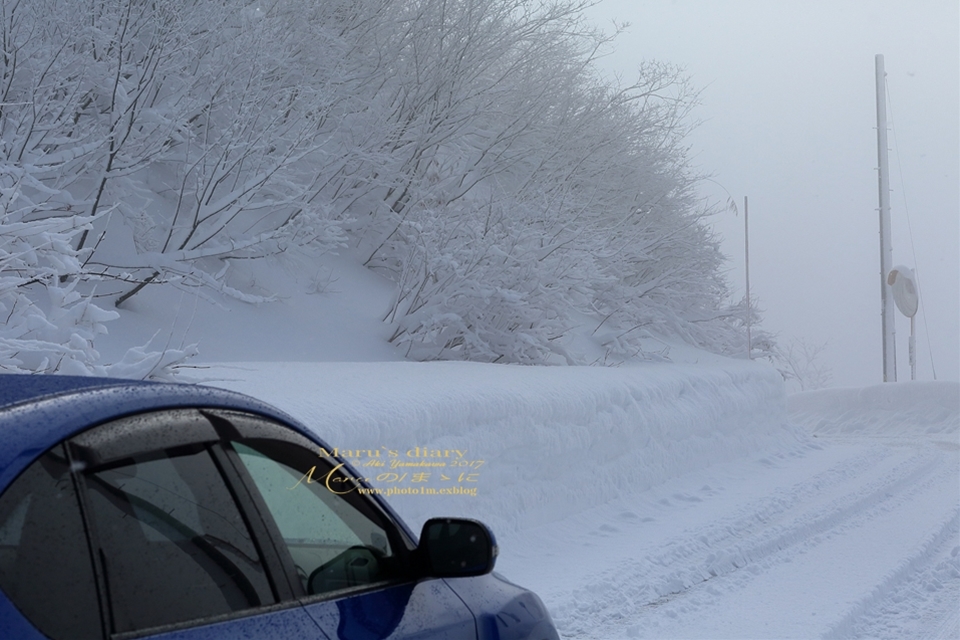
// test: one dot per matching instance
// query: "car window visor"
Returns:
(135, 434)
(236, 425)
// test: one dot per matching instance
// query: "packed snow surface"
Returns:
(665, 501)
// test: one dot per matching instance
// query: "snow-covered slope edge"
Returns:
(930, 409)
(553, 440)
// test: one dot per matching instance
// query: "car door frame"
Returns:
(164, 437)
(240, 425)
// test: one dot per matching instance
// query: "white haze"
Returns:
(789, 119)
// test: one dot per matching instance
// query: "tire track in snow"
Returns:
(806, 514)
(921, 584)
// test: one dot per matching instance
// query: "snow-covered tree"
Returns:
(468, 149)
(187, 120)
(49, 326)
(527, 192)
(799, 362)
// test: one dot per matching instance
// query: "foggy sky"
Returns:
(788, 111)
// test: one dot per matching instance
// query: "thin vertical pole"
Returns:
(913, 347)
(746, 259)
(888, 322)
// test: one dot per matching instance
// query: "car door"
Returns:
(351, 562)
(133, 529)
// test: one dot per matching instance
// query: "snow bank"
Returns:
(552, 440)
(930, 409)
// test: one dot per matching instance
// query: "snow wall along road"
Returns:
(552, 440)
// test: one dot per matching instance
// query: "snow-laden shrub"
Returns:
(475, 291)
(800, 365)
(49, 326)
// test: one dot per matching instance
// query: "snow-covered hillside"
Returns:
(474, 155)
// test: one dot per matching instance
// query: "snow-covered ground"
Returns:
(666, 501)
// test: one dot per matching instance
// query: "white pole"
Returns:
(913, 348)
(888, 323)
(746, 259)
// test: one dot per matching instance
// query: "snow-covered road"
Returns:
(677, 502)
(852, 538)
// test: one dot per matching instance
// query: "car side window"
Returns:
(45, 566)
(172, 543)
(336, 538)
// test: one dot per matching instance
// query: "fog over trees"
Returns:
(466, 149)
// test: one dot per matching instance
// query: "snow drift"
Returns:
(553, 440)
(928, 408)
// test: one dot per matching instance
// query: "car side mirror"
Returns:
(456, 548)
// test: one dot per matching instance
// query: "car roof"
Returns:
(17, 388)
(37, 411)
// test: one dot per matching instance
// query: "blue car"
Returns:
(151, 510)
